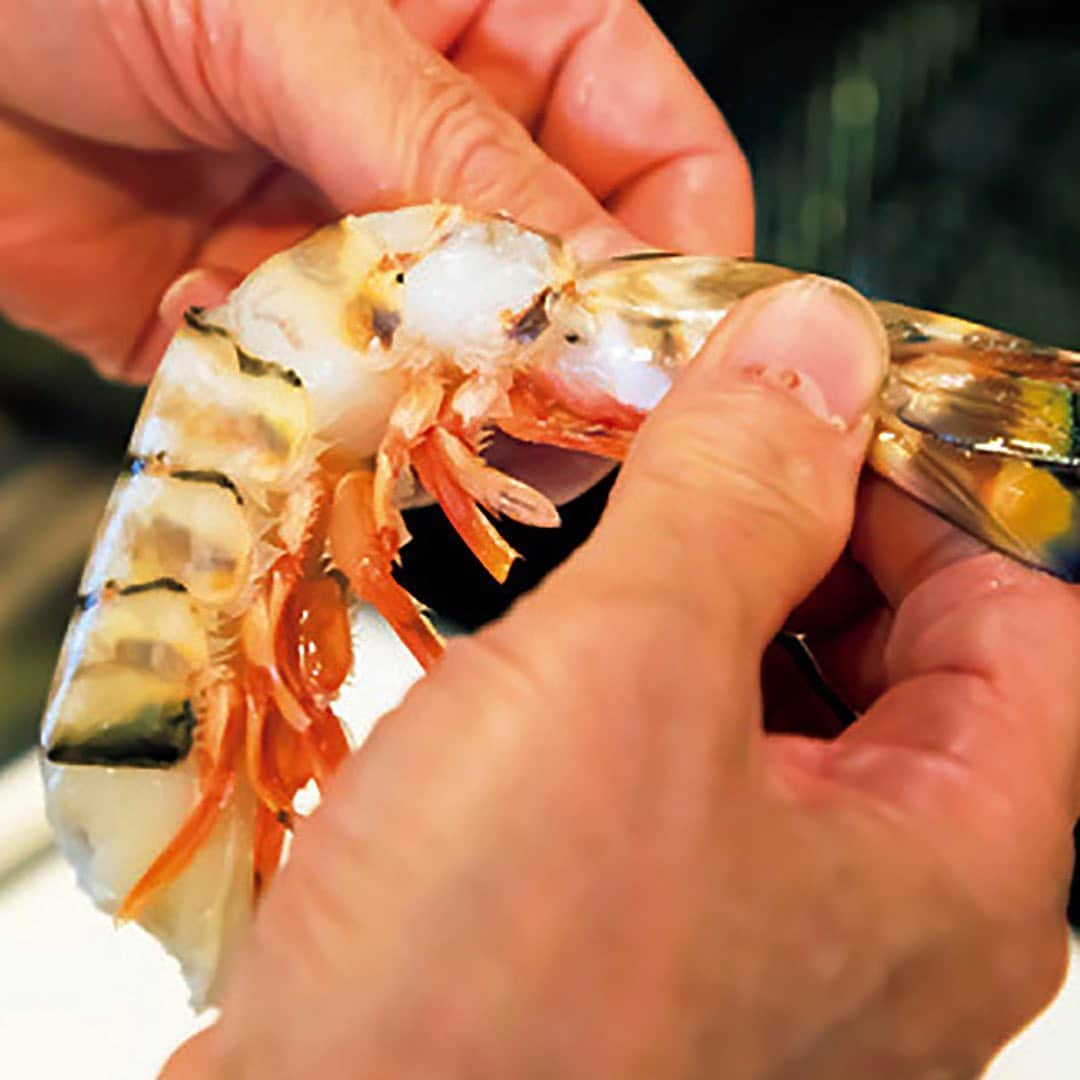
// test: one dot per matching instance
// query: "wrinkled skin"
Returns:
(575, 850)
(181, 135)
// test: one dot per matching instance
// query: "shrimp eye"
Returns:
(399, 277)
(571, 338)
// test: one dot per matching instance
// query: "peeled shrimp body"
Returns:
(363, 371)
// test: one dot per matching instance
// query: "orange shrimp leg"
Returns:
(301, 653)
(270, 743)
(314, 653)
(328, 745)
(269, 843)
(364, 554)
(460, 479)
(280, 761)
(539, 414)
(471, 525)
(218, 785)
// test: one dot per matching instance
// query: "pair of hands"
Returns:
(574, 850)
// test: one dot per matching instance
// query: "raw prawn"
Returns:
(346, 379)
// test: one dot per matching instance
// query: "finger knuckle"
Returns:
(994, 610)
(461, 144)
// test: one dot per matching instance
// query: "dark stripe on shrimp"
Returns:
(642, 256)
(209, 476)
(156, 737)
(167, 583)
(252, 365)
(85, 601)
(907, 332)
(194, 319)
(248, 364)
(136, 463)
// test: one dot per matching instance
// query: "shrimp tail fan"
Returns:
(982, 427)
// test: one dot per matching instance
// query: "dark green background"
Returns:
(927, 152)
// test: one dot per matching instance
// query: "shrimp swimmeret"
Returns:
(356, 374)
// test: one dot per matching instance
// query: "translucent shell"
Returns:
(979, 425)
(632, 322)
(126, 682)
(224, 406)
(185, 528)
(202, 916)
(156, 630)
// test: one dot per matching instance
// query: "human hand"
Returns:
(143, 140)
(573, 851)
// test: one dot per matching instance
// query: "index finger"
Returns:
(609, 98)
(978, 732)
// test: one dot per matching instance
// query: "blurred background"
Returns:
(925, 152)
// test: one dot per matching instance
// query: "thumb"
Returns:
(738, 494)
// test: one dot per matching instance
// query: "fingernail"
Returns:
(818, 340)
(177, 288)
(204, 286)
(601, 239)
